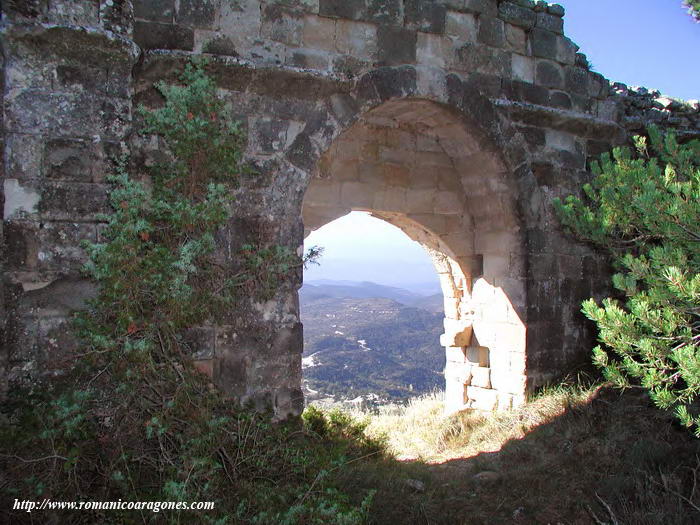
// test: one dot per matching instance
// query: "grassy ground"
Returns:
(573, 455)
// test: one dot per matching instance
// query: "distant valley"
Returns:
(370, 343)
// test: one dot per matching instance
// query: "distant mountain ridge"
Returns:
(363, 341)
(430, 301)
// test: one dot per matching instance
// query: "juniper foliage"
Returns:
(133, 419)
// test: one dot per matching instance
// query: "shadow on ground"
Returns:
(613, 459)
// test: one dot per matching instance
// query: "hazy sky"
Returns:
(652, 43)
(359, 247)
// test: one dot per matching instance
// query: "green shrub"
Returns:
(693, 8)
(133, 419)
(643, 207)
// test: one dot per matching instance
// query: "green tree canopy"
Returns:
(643, 208)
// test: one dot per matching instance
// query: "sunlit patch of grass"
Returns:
(421, 430)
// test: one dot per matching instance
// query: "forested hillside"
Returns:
(358, 342)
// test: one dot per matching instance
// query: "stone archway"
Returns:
(413, 163)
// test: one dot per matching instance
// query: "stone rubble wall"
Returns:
(641, 107)
(67, 109)
(524, 116)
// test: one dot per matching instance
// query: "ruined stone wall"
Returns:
(67, 107)
(509, 105)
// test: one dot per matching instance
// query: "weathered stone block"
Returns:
(350, 67)
(566, 51)
(319, 33)
(487, 7)
(282, 25)
(481, 377)
(196, 13)
(556, 10)
(462, 26)
(155, 10)
(455, 354)
(560, 140)
(523, 68)
(608, 110)
(220, 45)
(560, 99)
(482, 398)
(73, 201)
(23, 154)
(550, 22)
(533, 136)
(457, 332)
(267, 135)
(309, 59)
(549, 74)
(349, 9)
(483, 59)
(448, 202)
(577, 80)
(79, 160)
(152, 35)
(458, 372)
(516, 39)
(508, 382)
(396, 46)
(357, 194)
(491, 31)
(434, 50)
(544, 44)
(516, 15)
(424, 16)
(385, 12)
(21, 198)
(598, 85)
(356, 38)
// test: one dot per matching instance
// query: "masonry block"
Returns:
(349, 9)
(482, 398)
(425, 16)
(152, 35)
(196, 13)
(155, 10)
(549, 22)
(487, 7)
(481, 377)
(473, 58)
(549, 74)
(319, 33)
(356, 38)
(396, 45)
(434, 50)
(523, 68)
(491, 31)
(282, 25)
(462, 26)
(544, 44)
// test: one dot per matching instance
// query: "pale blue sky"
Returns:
(651, 43)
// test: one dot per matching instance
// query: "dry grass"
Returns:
(573, 455)
(421, 431)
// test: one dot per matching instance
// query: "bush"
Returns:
(693, 8)
(132, 419)
(643, 207)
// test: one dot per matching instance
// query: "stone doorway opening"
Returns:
(373, 315)
(417, 165)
